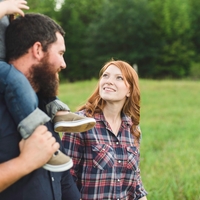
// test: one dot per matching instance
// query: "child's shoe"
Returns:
(59, 162)
(72, 122)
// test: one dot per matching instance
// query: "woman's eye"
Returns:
(104, 75)
(120, 78)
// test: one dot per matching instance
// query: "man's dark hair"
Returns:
(23, 32)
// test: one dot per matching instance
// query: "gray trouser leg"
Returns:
(54, 106)
(30, 123)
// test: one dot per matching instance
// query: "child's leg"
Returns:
(65, 121)
(55, 106)
(21, 100)
(22, 104)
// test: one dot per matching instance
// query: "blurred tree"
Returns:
(124, 31)
(154, 34)
(46, 7)
(161, 37)
(75, 16)
(172, 18)
(195, 26)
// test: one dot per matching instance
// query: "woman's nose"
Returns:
(109, 81)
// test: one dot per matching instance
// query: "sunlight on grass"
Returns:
(170, 152)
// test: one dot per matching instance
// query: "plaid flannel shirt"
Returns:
(106, 166)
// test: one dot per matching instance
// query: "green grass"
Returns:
(170, 146)
(76, 94)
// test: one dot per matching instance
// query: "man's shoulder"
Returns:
(5, 67)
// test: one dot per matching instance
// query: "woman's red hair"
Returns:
(131, 108)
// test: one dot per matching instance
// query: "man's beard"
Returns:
(43, 79)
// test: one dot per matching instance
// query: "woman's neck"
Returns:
(112, 115)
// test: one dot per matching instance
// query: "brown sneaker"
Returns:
(72, 122)
(59, 162)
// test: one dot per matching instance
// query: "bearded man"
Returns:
(35, 47)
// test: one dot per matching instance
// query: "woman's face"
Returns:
(112, 85)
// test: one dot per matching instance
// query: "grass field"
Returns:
(170, 146)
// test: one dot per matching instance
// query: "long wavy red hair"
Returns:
(131, 108)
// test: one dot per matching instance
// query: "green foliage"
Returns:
(195, 26)
(153, 34)
(195, 71)
(161, 37)
(46, 7)
(170, 135)
(172, 64)
(75, 17)
(175, 17)
(174, 33)
(123, 32)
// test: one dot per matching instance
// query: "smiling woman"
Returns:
(112, 87)
(106, 157)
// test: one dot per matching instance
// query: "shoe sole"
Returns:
(75, 126)
(59, 168)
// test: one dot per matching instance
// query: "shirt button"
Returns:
(118, 180)
(117, 142)
(52, 178)
(119, 161)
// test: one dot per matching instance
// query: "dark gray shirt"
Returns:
(40, 184)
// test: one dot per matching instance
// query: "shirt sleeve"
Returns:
(74, 148)
(140, 191)
(68, 184)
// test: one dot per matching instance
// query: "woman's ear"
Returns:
(128, 94)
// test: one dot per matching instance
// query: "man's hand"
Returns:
(34, 153)
(38, 148)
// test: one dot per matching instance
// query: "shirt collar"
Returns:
(126, 120)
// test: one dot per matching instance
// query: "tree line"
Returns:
(161, 37)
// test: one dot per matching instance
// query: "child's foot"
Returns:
(59, 162)
(71, 122)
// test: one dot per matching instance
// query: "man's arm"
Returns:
(34, 153)
(69, 188)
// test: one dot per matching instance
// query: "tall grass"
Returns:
(170, 146)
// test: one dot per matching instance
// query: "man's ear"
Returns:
(37, 50)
